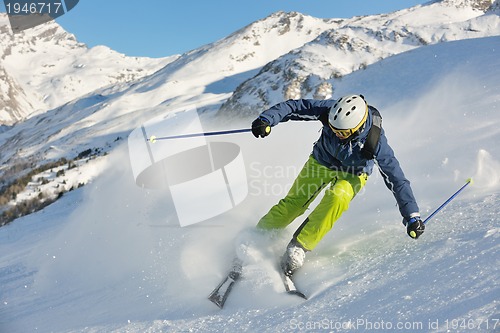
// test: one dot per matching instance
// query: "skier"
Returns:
(351, 142)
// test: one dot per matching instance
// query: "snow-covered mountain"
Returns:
(45, 67)
(481, 5)
(52, 68)
(98, 120)
(314, 69)
(110, 257)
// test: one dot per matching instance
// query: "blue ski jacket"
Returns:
(345, 155)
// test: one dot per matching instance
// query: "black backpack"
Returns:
(371, 143)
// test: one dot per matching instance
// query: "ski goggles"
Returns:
(346, 133)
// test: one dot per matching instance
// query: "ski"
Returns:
(290, 286)
(219, 295)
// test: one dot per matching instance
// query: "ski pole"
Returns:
(153, 138)
(469, 181)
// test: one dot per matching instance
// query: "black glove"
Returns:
(260, 128)
(415, 227)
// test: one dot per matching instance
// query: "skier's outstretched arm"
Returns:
(299, 109)
(296, 109)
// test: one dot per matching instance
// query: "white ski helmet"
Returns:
(347, 115)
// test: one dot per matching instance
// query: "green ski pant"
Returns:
(312, 179)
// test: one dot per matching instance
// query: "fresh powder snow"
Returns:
(111, 256)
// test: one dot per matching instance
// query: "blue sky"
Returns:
(159, 28)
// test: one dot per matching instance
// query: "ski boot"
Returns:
(293, 258)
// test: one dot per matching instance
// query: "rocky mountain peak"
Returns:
(495, 7)
(482, 5)
(45, 67)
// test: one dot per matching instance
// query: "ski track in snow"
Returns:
(110, 257)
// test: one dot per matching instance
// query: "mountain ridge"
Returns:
(365, 40)
(52, 68)
(482, 5)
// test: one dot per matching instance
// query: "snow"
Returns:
(53, 68)
(110, 257)
(51, 182)
(353, 44)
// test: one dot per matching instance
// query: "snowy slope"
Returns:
(110, 257)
